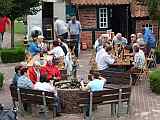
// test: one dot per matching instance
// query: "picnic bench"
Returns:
(29, 96)
(107, 96)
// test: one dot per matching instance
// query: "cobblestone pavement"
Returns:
(145, 105)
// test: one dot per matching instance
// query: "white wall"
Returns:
(60, 10)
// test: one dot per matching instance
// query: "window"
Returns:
(103, 18)
(149, 26)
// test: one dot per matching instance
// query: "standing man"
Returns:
(60, 28)
(3, 21)
(75, 29)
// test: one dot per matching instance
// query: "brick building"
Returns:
(125, 16)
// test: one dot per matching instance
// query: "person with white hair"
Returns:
(140, 39)
(41, 44)
(34, 72)
(119, 40)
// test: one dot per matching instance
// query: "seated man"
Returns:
(104, 58)
(119, 40)
(17, 75)
(96, 84)
(24, 81)
(51, 70)
(46, 85)
(139, 62)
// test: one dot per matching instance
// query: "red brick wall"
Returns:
(87, 38)
(98, 34)
(87, 17)
(141, 23)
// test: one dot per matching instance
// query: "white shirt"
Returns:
(44, 86)
(139, 59)
(57, 51)
(103, 59)
(60, 27)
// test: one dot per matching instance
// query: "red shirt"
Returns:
(51, 70)
(3, 21)
(33, 75)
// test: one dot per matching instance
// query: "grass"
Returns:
(19, 28)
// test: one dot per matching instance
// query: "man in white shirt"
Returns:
(104, 58)
(60, 28)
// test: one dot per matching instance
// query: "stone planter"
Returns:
(69, 100)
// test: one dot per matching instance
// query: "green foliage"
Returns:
(20, 8)
(13, 55)
(153, 6)
(5, 7)
(155, 81)
(1, 80)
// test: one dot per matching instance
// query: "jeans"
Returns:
(64, 36)
(57, 105)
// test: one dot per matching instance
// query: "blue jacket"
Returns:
(149, 38)
(33, 48)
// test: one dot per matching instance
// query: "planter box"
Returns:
(69, 100)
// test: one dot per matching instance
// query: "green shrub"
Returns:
(157, 53)
(154, 77)
(12, 55)
(1, 80)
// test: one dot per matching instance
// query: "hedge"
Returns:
(1, 80)
(154, 77)
(13, 55)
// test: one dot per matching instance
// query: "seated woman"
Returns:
(57, 51)
(24, 81)
(34, 72)
(33, 48)
(41, 44)
(96, 84)
(51, 70)
(46, 85)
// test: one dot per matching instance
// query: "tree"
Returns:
(20, 8)
(153, 7)
(5, 7)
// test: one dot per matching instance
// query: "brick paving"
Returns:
(145, 105)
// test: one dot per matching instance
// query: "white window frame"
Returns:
(106, 17)
(150, 26)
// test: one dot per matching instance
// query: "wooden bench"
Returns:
(117, 79)
(108, 96)
(30, 96)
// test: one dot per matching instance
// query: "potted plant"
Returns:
(154, 77)
(1, 80)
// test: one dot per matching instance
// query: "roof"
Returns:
(139, 10)
(100, 2)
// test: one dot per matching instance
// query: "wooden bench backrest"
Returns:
(119, 78)
(32, 96)
(106, 96)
